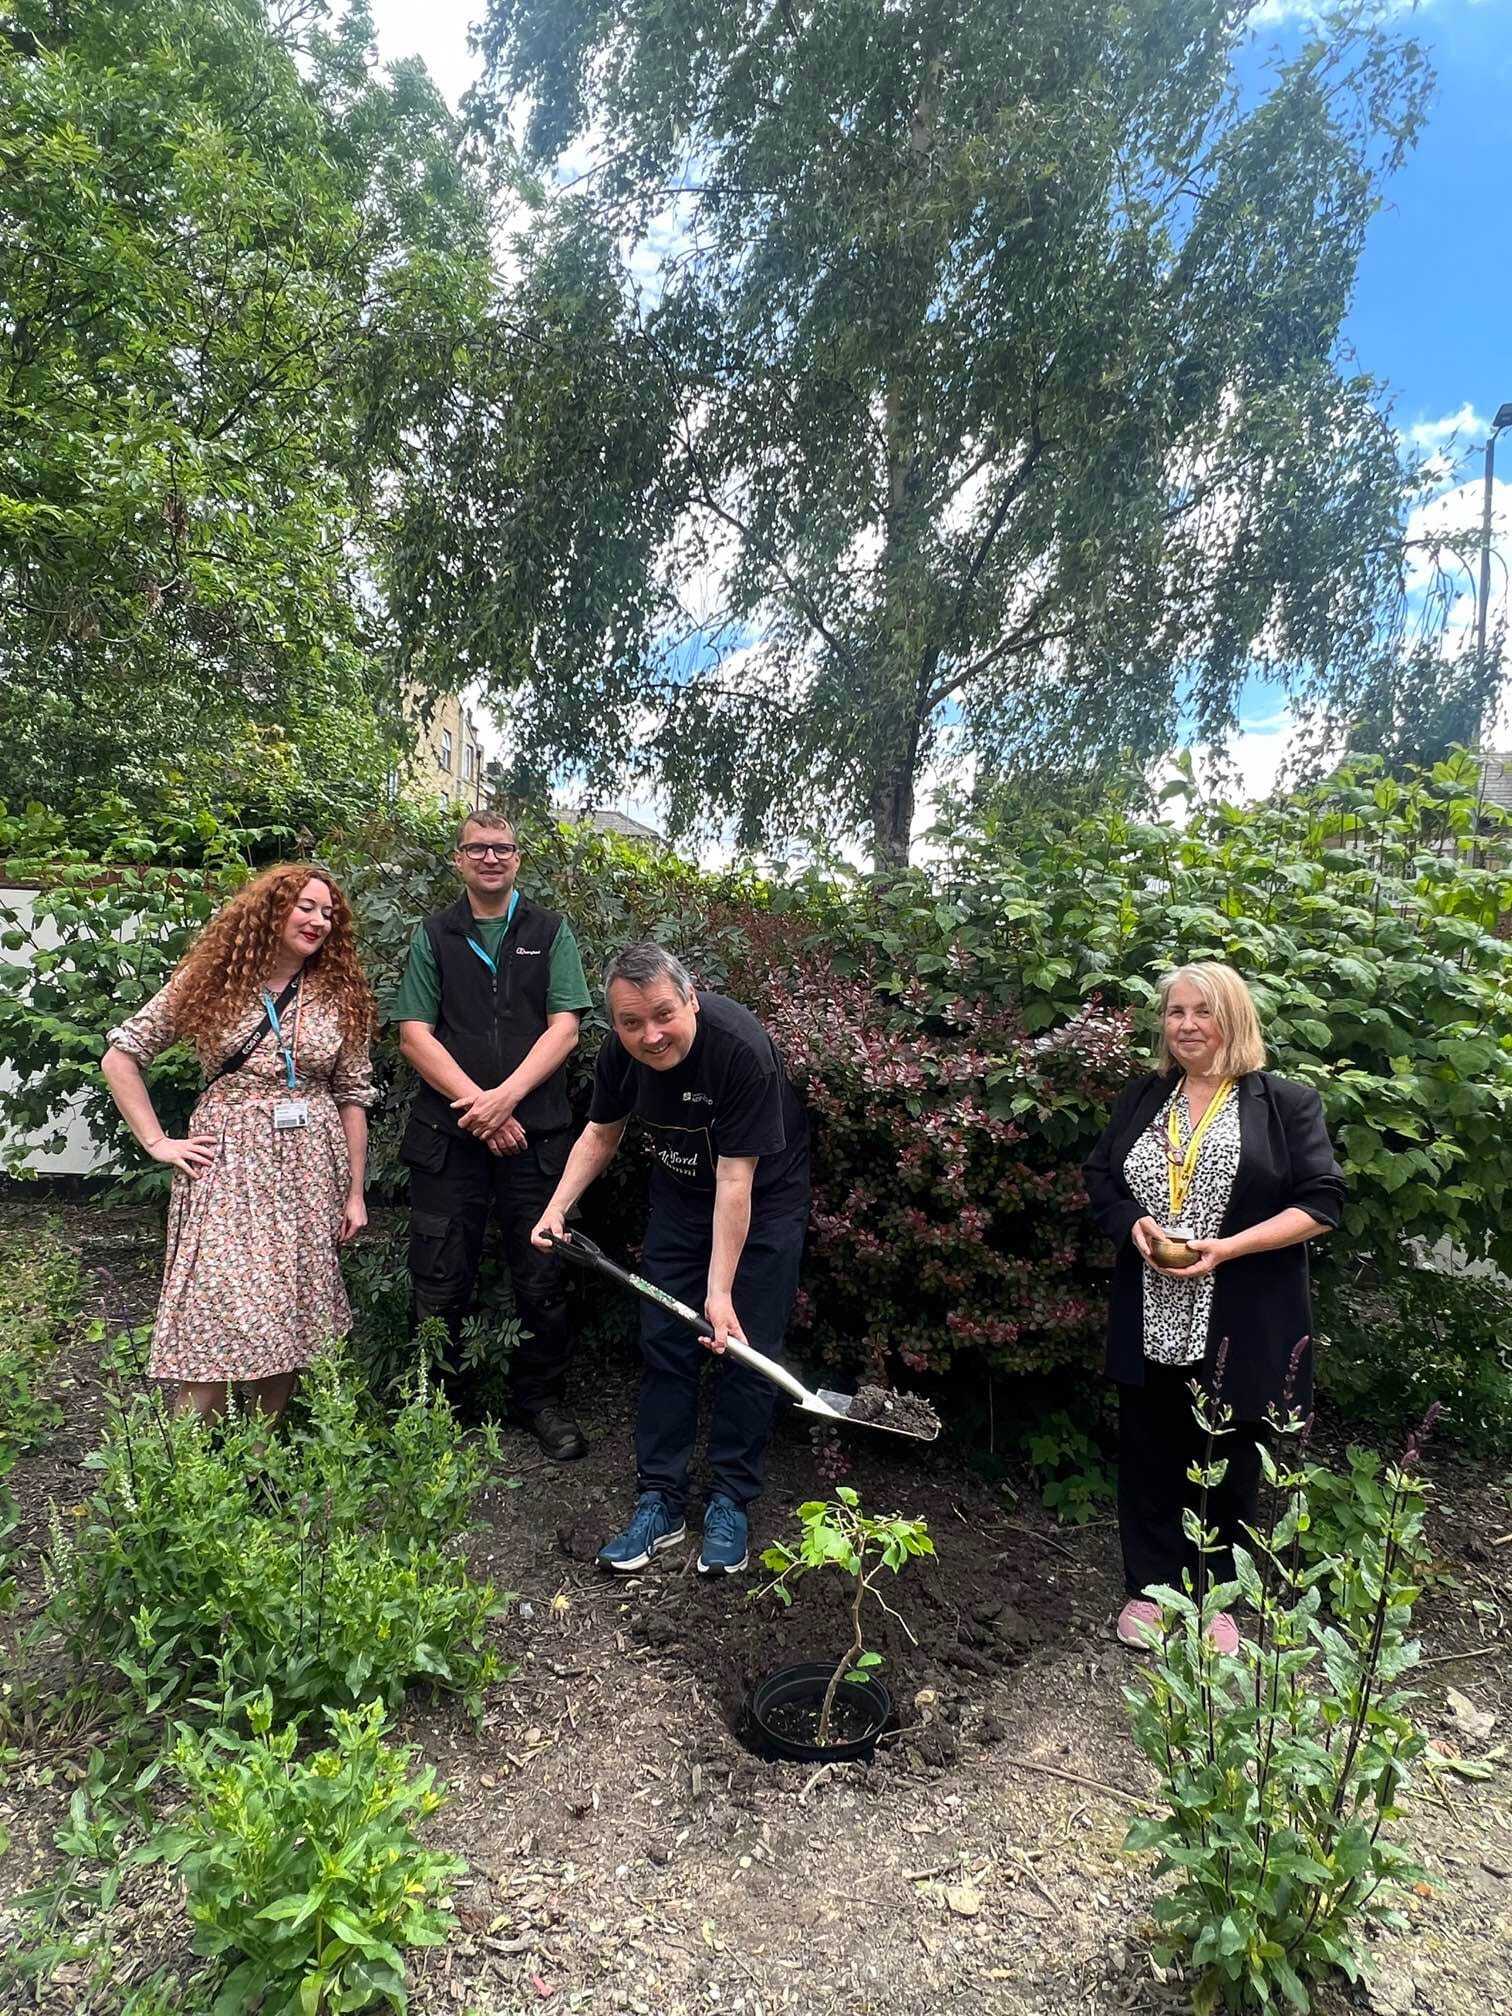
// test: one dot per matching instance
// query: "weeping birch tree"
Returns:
(990, 354)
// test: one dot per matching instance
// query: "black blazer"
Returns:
(1261, 1302)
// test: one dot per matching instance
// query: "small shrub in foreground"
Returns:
(305, 1877)
(321, 1562)
(1282, 1767)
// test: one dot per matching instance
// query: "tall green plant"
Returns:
(1282, 1768)
(41, 1295)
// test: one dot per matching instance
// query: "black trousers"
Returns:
(451, 1200)
(1157, 1440)
(766, 1283)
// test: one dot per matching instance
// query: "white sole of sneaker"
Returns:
(725, 1567)
(644, 1560)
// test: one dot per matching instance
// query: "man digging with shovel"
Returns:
(729, 1206)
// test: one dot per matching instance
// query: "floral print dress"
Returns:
(252, 1283)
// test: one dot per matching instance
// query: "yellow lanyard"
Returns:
(1180, 1163)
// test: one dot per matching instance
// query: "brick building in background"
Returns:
(447, 759)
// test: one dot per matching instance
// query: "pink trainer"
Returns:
(1139, 1623)
(1223, 1635)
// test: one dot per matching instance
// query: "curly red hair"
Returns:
(232, 957)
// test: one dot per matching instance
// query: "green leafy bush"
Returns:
(10, 1519)
(1282, 1768)
(1392, 1345)
(306, 1879)
(1367, 913)
(960, 1030)
(40, 1297)
(323, 1564)
(382, 1347)
(1347, 1509)
(1076, 1480)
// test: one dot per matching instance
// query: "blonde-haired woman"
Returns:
(268, 1181)
(1212, 1146)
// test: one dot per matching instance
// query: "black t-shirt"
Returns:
(729, 1096)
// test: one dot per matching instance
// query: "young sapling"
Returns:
(837, 1533)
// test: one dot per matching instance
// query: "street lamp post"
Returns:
(1503, 419)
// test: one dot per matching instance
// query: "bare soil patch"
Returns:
(627, 1851)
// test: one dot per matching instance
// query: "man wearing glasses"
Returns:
(488, 1014)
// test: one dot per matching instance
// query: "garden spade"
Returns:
(872, 1407)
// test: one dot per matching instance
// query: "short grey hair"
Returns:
(642, 965)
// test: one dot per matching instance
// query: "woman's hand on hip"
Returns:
(194, 1155)
(353, 1218)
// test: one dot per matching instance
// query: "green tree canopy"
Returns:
(992, 353)
(219, 229)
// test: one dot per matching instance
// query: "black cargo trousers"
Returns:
(455, 1183)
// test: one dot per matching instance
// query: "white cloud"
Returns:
(1464, 424)
(435, 30)
(1276, 13)
(1250, 767)
(1444, 558)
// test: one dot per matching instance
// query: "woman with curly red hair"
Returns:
(268, 1181)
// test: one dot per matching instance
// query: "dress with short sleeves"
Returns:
(252, 1282)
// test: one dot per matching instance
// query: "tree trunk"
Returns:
(892, 810)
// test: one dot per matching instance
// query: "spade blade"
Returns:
(894, 1413)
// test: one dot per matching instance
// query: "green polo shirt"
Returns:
(419, 996)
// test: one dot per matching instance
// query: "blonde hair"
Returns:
(1241, 1047)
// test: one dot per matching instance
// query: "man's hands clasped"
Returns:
(490, 1116)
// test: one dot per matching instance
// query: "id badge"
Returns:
(289, 1114)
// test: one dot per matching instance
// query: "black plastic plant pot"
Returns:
(782, 1716)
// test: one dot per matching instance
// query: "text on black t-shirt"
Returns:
(729, 1096)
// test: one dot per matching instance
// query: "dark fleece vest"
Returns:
(490, 1021)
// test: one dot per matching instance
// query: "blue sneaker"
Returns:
(724, 1537)
(654, 1526)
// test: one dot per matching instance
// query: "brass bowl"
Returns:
(1172, 1251)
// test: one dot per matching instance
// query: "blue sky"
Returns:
(1433, 308)
(1432, 316)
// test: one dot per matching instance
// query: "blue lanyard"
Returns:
(488, 960)
(278, 1036)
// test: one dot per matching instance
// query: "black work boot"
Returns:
(559, 1435)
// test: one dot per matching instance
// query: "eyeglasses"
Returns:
(479, 850)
